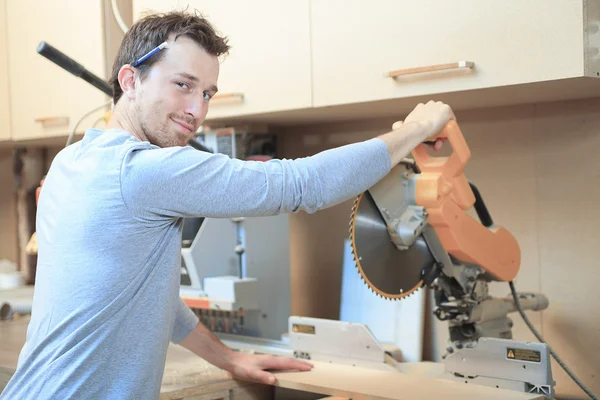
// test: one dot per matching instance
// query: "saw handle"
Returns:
(451, 166)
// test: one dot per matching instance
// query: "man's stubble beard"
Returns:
(160, 136)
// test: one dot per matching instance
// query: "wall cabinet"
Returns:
(45, 100)
(356, 45)
(268, 67)
(4, 103)
(309, 60)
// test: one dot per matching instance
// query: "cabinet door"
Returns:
(356, 44)
(269, 62)
(46, 101)
(4, 103)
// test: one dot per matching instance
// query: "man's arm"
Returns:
(183, 182)
(205, 344)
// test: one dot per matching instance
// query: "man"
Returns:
(110, 217)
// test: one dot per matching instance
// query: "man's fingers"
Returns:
(261, 376)
(397, 125)
(292, 363)
(437, 144)
(286, 363)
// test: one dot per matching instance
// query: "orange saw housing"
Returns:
(443, 190)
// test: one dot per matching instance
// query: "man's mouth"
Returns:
(185, 125)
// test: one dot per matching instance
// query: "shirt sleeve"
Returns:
(184, 182)
(185, 322)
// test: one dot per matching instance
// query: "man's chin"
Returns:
(180, 141)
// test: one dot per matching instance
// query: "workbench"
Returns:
(188, 377)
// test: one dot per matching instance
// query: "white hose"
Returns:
(70, 138)
(117, 15)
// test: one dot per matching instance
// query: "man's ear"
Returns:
(127, 80)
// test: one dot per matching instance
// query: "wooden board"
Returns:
(361, 384)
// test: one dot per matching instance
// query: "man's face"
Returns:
(172, 100)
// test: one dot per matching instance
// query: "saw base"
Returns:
(351, 347)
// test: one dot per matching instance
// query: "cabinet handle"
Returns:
(59, 120)
(228, 98)
(431, 68)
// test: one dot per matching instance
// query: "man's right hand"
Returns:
(422, 124)
(432, 116)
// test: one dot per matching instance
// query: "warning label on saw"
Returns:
(523, 355)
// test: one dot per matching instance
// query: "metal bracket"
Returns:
(394, 196)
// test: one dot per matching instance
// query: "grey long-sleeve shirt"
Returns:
(109, 226)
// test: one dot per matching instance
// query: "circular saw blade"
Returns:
(388, 271)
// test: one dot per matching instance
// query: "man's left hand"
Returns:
(253, 367)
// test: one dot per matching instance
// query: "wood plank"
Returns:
(334, 398)
(362, 384)
(248, 391)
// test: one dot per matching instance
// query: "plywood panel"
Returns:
(567, 191)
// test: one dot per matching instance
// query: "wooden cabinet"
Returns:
(356, 44)
(269, 62)
(4, 104)
(45, 100)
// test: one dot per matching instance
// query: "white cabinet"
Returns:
(45, 100)
(356, 44)
(4, 104)
(269, 62)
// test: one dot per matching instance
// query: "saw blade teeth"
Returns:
(358, 264)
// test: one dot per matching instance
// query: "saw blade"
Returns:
(388, 271)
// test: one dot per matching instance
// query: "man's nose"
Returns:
(195, 107)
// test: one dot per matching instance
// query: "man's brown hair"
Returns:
(154, 29)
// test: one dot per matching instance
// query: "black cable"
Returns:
(539, 337)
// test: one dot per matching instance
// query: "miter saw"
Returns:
(414, 229)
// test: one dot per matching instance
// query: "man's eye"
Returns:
(183, 85)
(206, 96)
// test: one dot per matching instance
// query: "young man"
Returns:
(110, 217)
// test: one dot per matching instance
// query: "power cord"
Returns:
(539, 337)
(70, 139)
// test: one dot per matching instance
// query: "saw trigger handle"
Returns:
(451, 166)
